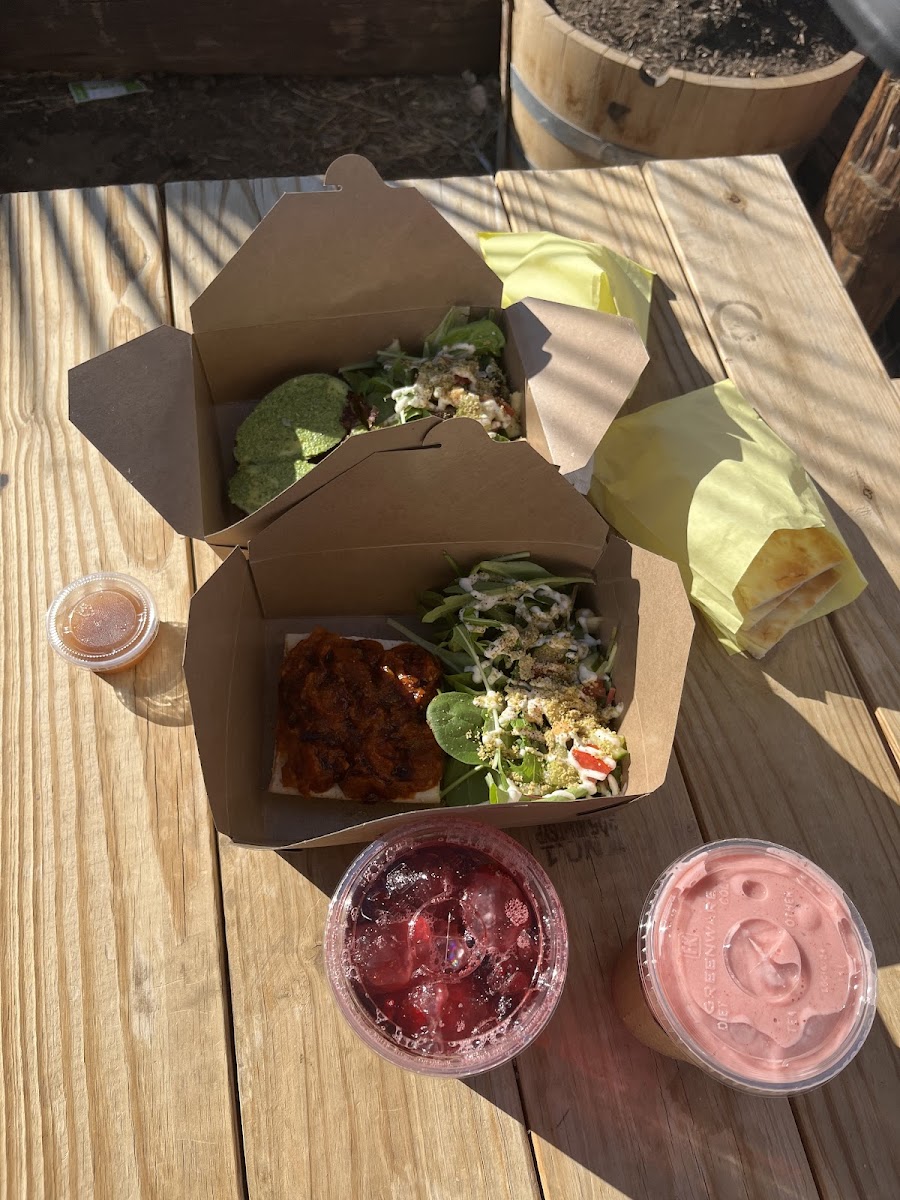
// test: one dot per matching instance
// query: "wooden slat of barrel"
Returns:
(605, 93)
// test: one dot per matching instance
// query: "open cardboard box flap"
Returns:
(328, 560)
(325, 279)
(394, 252)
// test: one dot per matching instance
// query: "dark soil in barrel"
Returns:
(750, 38)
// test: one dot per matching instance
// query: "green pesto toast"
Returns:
(300, 418)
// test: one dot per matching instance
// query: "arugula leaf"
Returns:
(461, 682)
(558, 581)
(456, 662)
(451, 604)
(457, 724)
(515, 570)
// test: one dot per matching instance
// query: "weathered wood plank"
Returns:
(790, 338)
(114, 1043)
(322, 1116)
(597, 1116)
(786, 749)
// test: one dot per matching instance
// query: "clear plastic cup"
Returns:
(446, 947)
(104, 622)
(752, 964)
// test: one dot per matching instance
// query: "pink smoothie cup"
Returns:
(751, 963)
(446, 947)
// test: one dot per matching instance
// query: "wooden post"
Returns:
(863, 207)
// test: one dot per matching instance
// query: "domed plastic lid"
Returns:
(104, 622)
(758, 964)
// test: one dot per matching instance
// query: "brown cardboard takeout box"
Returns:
(364, 545)
(329, 278)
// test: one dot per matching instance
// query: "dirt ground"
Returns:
(242, 126)
(252, 126)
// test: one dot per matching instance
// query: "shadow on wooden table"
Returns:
(807, 768)
(868, 629)
(597, 1101)
(323, 867)
(155, 689)
(672, 361)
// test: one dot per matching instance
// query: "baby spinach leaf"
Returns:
(457, 724)
(484, 335)
(532, 768)
(456, 317)
(463, 785)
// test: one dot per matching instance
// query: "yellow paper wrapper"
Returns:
(704, 481)
(546, 266)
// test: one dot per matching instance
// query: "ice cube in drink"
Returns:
(446, 947)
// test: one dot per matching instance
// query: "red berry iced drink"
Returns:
(753, 964)
(446, 947)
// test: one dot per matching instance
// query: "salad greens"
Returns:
(530, 708)
(457, 374)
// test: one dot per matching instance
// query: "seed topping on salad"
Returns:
(532, 704)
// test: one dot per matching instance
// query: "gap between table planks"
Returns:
(607, 1118)
(784, 749)
(114, 1040)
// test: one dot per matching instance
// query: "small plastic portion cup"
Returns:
(104, 622)
(752, 964)
(446, 947)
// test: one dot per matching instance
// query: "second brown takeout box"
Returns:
(364, 545)
(326, 279)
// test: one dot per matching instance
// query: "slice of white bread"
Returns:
(431, 796)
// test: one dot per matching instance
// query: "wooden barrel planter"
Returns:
(575, 102)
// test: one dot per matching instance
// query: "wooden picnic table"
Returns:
(165, 1027)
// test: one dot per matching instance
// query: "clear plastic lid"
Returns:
(758, 965)
(446, 946)
(103, 622)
